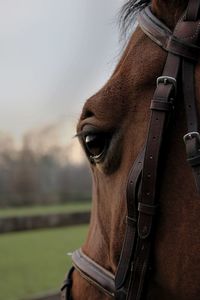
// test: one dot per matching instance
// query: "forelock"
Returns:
(128, 13)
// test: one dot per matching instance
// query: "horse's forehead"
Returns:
(133, 78)
(110, 104)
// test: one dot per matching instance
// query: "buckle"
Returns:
(192, 143)
(166, 80)
(191, 135)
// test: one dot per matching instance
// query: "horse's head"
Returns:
(112, 130)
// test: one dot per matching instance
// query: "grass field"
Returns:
(48, 209)
(36, 261)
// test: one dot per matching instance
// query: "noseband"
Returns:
(142, 188)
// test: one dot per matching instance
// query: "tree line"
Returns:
(29, 177)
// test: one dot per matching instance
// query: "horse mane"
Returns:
(130, 9)
(128, 12)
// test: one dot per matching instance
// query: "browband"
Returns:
(165, 38)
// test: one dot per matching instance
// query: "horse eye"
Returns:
(96, 145)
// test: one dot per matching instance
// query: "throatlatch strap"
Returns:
(192, 138)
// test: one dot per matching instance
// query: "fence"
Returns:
(19, 223)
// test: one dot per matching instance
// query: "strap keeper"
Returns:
(161, 105)
(194, 161)
(131, 221)
(192, 143)
(185, 49)
(147, 209)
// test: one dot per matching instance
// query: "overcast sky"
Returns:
(53, 55)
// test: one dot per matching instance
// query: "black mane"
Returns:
(128, 13)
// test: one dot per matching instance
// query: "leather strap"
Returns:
(154, 28)
(142, 189)
(129, 244)
(192, 138)
(67, 285)
(94, 273)
(192, 11)
(165, 93)
(156, 134)
(163, 36)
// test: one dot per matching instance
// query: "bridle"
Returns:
(142, 188)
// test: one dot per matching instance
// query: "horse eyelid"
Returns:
(88, 132)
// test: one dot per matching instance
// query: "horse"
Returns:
(112, 129)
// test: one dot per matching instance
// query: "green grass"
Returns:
(48, 209)
(36, 261)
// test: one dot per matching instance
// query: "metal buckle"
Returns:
(166, 80)
(192, 143)
(191, 135)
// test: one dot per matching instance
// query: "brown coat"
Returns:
(122, 107)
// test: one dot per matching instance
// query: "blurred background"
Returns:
(53, 56)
